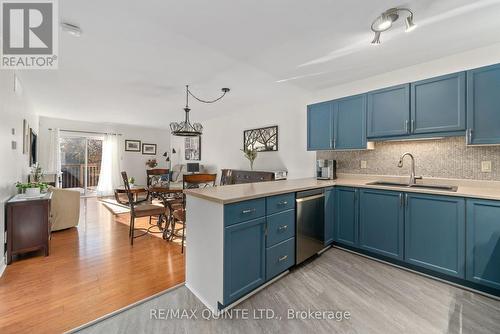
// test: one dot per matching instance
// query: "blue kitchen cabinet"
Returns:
(435, 233)
(244, 258)
(483, 242)
(381, 222)
(320, 126)
(349, 123)
(438, 104)
(483, 101)
(329, 214)
(346, 216)
(388, 112)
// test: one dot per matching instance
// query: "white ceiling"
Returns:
(134, 57)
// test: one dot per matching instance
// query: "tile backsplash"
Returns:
(444, 158)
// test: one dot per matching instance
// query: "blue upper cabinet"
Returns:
(350, 123)
(329, 214)
(435, 233)
(438, 104)
(389, 112)
(483, 105)
(244, 258)
(483, 242)
(346, 216)
(381, 222)
(320, 126)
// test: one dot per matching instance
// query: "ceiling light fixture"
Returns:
(385, 21)
(71, 29)
(185, 128)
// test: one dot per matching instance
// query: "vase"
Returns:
(32, 192)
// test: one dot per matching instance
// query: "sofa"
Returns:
(64, 208)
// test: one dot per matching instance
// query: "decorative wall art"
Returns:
(192, 148)
(261, 140)
(132, 145)
(149, 149)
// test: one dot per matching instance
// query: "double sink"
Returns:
(416, 185)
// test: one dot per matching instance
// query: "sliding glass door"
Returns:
(81, 163)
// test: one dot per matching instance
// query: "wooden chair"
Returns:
(139, 211)
(189, 181)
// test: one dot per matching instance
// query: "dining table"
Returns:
(170, 195)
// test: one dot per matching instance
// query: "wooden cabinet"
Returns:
(28, 226)
(244, 258)
(483, 242)
(329, 214)
(438, 104)
(346, 216)
(483, 105)
(349, 119)
(320, 126)
(381, 222)
(435, 233)
(389, 112)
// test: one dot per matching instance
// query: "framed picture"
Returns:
(148, 149)
(132, 145)
(33, 148)
(262, 140)
(192, 148)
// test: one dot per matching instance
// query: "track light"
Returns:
(385, 20)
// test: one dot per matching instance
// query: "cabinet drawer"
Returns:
(280, 226)
(280, 257)
(243, 211)
(280, 203)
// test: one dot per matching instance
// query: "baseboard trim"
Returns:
(123, 309)
(463, 287)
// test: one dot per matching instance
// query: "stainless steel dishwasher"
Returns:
(310, 224)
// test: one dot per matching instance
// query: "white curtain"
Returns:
(110, 177)
(54, 159)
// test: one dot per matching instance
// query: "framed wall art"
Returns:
(261, 140)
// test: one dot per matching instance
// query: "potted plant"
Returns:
(31, 188)
(251, 155)
(151, 163)
(131, 181)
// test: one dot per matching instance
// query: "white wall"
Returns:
(134, 163)
(455, 63)
(14, 107)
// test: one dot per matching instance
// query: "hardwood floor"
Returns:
(380, 298)
(91, 271)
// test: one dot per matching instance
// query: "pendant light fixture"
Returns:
(185, 128)
(385, 20)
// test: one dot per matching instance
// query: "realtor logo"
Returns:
(29, 34)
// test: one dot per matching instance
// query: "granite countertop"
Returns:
(241, 192)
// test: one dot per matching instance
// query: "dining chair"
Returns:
(139, 211)
(189, 181)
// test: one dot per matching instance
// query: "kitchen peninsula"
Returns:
(241, 237)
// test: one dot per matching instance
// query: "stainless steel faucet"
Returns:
(413, 178)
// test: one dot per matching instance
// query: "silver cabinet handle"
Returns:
(401, 201)
(412, 125)
(470, 136)
(332, 143)
(406, 126)
(406, 200)
(283, 227)
(467, 137)
(283, 203)
(283, 258)
(248, 211)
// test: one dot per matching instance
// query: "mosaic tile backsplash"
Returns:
(443, 158)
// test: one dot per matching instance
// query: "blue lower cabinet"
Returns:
(244, 258)
(280, 257)
(329, 214)
(483, 242)
(280, 203)
(381, 222)
(346, 216)
(280, 226)
(435, 233)
(243, 211)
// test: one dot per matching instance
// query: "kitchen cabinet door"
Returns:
(435, 233)
(381, 222)
(389, 112)
(438, 104)
(483, 105)
(320, 126)
(483, 242)
(346, 216)
(244, 258)
(350, 123)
